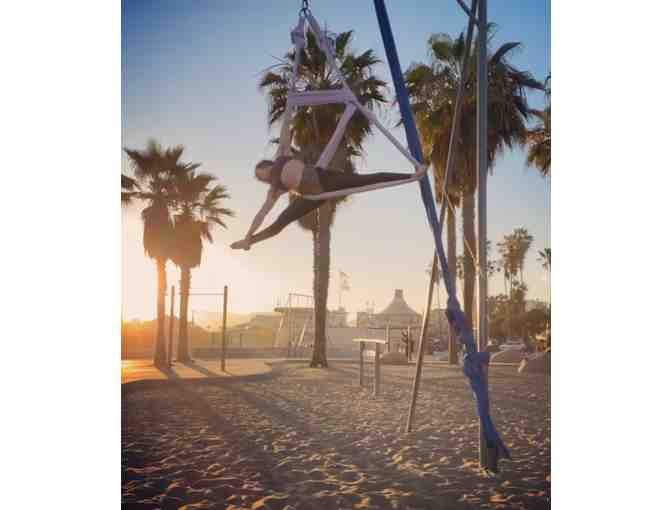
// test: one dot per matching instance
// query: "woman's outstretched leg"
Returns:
(298, 208)
(334, 181)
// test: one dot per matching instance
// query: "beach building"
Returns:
(396, 314)
(269, 320)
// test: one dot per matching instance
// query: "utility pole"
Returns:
(224, 306)
(170, 326)
(487, 456)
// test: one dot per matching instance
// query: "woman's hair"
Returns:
(263, 163)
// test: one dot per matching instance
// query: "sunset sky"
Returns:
(189, 76)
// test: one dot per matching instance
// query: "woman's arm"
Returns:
(271, 197)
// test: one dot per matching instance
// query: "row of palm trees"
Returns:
(181, 207)
(513, 250)
(433, 88)
(181, 211)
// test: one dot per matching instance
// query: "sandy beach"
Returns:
(302, 438)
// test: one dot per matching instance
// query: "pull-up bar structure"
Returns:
(224, 295)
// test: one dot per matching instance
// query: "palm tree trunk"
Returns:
(468, 226)
(183, 335)
(322, 262)
(451, 252)
(160, 345)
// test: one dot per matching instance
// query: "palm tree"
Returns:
(539, 137)
(197, 209)
(128, 185)
(545, 259)
(311, 130)
(433, 90)
(539, 142)
(513, 251)
(522, 240)
(153, 168)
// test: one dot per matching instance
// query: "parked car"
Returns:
(513, 343)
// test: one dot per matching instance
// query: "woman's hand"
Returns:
(243, 244)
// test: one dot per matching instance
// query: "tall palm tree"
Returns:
(153, 168)
(513, 251)
(522, 240)
(539, 137)
(311, 130)
(197, 209)
(128, 186)
(539, 142)
(544, 256)
(433, 90)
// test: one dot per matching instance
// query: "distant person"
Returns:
(287, 174)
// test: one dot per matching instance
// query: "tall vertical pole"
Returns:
(486, 456)
(224, 308)
(290, 326)
(421, 351)
(170, 326)
(361, 364)
(425, 189)
(410, 343)
(376, 371)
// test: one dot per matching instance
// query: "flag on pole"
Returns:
(345, 281)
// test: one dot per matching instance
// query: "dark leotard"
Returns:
(310, 180)
(327, 180)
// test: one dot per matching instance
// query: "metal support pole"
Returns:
(487, 456)
(170, 326)
(290, 326)
(361, 364)
(387, 338)
(421, 349)
(447, 276)
(224, 309)
(410, 344)
(376, 375)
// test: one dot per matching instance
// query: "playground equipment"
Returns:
(378, 344)
(476, 359)
(296, 323)
(405, 338)
(224, 295)
(376, 361)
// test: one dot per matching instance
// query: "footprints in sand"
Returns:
(317, 441)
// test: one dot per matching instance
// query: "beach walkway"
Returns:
(143, 369)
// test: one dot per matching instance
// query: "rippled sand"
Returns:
(313, 439)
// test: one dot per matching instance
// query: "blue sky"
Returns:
(189, 76)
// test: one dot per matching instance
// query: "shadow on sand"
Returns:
(201, 369)
(169, 372)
